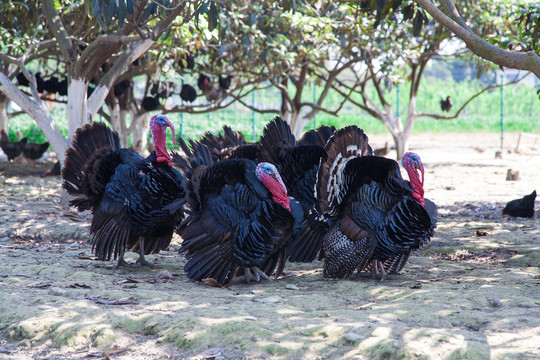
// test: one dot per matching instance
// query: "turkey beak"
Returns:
(169, 124)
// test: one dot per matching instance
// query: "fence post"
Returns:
(253, 116)
(314, 101)
(397, 101)
(502, 116)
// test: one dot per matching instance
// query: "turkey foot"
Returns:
(141, 261)
(375, 268)
(121, 262)
(254, 273)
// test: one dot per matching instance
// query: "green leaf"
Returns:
(212, 17)
(222, 49)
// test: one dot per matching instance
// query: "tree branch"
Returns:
(518, 60)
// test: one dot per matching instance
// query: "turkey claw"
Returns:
(254, 273)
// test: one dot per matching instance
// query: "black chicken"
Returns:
(447, 104)
(523, 207)
(12, 149)
(53, 171)
(225, 82)
(367, 212)
(188, 93)
(127, 193)
(239, 221)
(210, 91)
(33, 151)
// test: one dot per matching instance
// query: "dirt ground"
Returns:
(472, 293)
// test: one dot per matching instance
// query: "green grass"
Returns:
(521, 110)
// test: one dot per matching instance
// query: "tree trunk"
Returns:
(4, 102)
(76, 112)
(140, 133)
(401, 142)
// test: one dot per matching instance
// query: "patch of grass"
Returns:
(276, 350)
(386, 349)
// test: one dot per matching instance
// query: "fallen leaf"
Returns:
(41, 285)
(78, 286)
(481, 233)
(114, 351)
(122, 301)
(135, 281)
(214, 283)
(415, 286)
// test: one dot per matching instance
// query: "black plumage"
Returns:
(186, 61)
(298, 165)
(229, 144)
(239, 222)
(188, 93)
(225, 82)
(367, 212)
(63, 87)
(22, 80)
(523, 207)
(40, 83)
(51, 85)
(446, 104)
(121, 87)
(12, 149)
(150, 103)
(33, 151)
(127, 194)
(317, 137)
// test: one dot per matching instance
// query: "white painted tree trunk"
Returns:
(4, 102)
(140, 133)
(34, 107)
(76, 112)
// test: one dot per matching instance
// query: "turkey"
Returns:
(239, 220)
(447, 104)
(523, 207)
(127, 194)
(317, 137)
(298, 165)
(230, 144)
(367, 212)
(12, 149)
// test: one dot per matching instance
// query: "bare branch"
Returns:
(528, 61)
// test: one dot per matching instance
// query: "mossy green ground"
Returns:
(463, 296)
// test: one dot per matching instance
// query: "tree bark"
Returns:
(4, 102)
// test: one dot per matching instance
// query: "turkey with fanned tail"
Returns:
(368, 214)
(126, 193)
(298, 164)
(239, 219)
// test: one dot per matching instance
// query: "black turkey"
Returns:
(239, 221)
(229, 144)
(523, 207)
(367, 211)
(298, 165)
(127, 194)
(317, 137)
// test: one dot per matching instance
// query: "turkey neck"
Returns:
(417, 184)
(159, 135)
(279, 192)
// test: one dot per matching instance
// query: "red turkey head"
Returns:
(158, 127)
(269, 176)
(412, 163)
